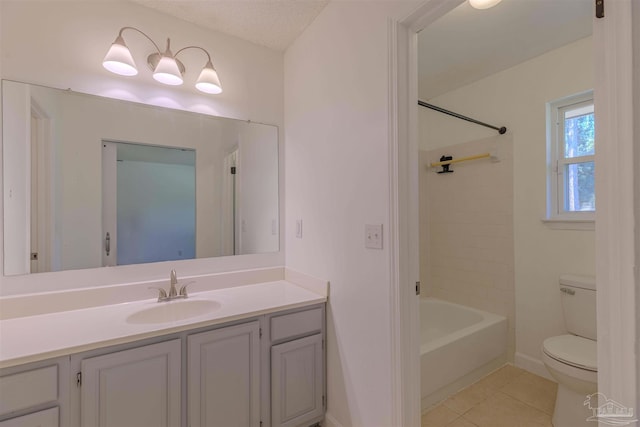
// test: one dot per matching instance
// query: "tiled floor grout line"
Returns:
(501, 392)
(526, 403)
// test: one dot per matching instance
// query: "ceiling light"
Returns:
(167, 69)
(483, 4)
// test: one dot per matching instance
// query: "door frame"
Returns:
(41, 144)
(403, 215)
(617, 249)
(618, 165)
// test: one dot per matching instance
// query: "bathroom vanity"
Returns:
(253, 357)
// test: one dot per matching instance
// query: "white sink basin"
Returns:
(173, 311)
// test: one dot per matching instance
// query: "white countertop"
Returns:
(39, 337)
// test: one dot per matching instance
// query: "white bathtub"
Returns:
(459, 345)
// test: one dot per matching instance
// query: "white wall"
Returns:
(516, 98)
(62, 44)
(72, 37)
(17, 182)
(257, 189)
(337, 162)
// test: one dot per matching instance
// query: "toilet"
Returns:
(571, 358)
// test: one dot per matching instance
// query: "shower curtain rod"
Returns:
(501, 130)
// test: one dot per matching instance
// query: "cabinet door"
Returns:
(46, 418)
(297, 370)
(224, 377)
(140, 387)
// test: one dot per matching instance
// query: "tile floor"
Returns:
(508, 397)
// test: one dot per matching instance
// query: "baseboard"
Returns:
(330, 421)
(533, 365)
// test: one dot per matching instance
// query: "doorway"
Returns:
(613, 53)
(149, 204)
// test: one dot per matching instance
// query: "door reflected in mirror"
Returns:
(148, 203)
(164, 184)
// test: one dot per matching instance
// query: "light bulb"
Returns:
(483, 4)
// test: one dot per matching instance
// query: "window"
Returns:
(571, 154)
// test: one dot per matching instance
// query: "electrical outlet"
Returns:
(373, 236)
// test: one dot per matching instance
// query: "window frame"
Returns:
(556, 161)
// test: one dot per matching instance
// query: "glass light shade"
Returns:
(119, 60)
(167, 71)
(483, 4)
(208, 81)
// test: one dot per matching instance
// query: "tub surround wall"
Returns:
(516, 98)
(467, 229)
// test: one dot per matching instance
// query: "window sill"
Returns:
(569, 224)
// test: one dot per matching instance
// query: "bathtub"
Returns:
(459, 345)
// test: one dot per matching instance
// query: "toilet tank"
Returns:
(578, 296)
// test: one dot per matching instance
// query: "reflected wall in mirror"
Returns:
(183, 184)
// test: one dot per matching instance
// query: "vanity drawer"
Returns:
(30, 388)
(46, 418)
(296, 324)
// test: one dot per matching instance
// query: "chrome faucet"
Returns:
(173, 277)
(173, 292)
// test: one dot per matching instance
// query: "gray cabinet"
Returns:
(297, 385)
(34, 395)
(265, 371)
(224, 377)
(140, 387)
(297, 367)
(47, 418)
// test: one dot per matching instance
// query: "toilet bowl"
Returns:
(571, 359)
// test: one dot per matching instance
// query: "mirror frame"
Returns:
(105, 276)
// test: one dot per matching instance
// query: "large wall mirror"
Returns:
(92, 182)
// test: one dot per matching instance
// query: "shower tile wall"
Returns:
(466, 229)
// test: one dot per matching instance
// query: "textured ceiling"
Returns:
(469, 44)
(271, 23)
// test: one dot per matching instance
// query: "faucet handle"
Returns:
(183, 289)
(162, 294)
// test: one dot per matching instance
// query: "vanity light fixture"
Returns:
(483, 4)
(166, 67)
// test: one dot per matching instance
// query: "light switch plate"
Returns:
(373, 236)
(299, 229)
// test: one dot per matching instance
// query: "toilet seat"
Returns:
(572, 350)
